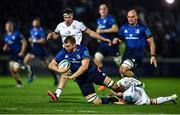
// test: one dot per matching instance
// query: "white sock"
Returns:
(160, 100)
(58, 92)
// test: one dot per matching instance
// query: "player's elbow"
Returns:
(50, 66)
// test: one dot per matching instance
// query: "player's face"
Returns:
(103, 11)
(68, 20)
(132, 17)
(69, 47)
(36, 23)
(9, 27)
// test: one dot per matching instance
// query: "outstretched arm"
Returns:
(97, 36)
(113, 29)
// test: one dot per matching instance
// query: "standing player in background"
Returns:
(38, 49)
(107, 28)
(84, 72)
(135, 36)
(70, 27)
(16, 44)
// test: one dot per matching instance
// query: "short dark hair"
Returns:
(10, 22)
(70, 39)
(67, 11)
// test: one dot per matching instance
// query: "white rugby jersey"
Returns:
(75, 30)
(136, 95)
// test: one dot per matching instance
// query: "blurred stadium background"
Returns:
(162, 18)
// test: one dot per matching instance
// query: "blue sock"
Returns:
(105, 100)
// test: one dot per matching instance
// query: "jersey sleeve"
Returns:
(85, 53)
(82, 26)
(19, 36)
(112, 21)
(42, 33)
(121, 33)
(147, 32)
(60, 56)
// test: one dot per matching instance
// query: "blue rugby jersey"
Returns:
(135, 39)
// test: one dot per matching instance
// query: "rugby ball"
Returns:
(65, 64)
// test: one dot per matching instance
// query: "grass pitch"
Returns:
(32, 98)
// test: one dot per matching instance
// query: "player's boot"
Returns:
(31, 75)
(174, 98)
(52, 95)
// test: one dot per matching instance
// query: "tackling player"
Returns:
(135, 36)
(70, 27)
(38, 49)
(134, 93)
(137, 95)
(107, 28)
(84, 72)
(16, 44)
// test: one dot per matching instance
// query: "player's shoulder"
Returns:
(41, 29)
(17, 32)
(61, 24)
(141, 25)
(82, 47)
(110, 16)
(76, 22)
(124, 26)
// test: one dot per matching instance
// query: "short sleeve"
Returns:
(85, 53)
(82, 26)
(112, 21)
(147, 32)
(42, 33)
(60, 56)
(121, 32)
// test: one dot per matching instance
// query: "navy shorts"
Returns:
(39, 53)
(16, 58)
(85, 82)
(108, 50)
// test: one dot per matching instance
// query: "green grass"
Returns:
(33, 98)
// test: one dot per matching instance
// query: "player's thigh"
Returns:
(86, 88)
(28, 58)
(93, 98)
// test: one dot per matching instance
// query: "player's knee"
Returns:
(93, 98)
(15, 66)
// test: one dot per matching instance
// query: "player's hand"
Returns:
(153, 61)
(99, 31)
(53, 35)
(5, 47)
(116, 41)
(21, 54)
(50, 36)
(109, 42)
